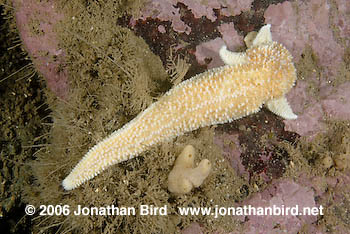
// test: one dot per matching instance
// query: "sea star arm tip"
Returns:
(263, 36)
(281, 108)
(231, 58)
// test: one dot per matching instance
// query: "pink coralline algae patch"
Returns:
(280, 194)
(35, 22)
(342, 19)
(209, 51)
(165, 11)
(332, 192)
(283, 193)
(309, 111)
(336, 105)
(323, 26)
(227, 8)
(193, 228)
(297, 25)
(168, 10)
(161, 29)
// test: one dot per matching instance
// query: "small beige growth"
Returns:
(342, 161)
(184, 176)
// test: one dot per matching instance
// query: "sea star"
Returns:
(261, 75)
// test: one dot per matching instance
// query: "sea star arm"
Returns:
(281, 108)
(232, 58)
(263, 36)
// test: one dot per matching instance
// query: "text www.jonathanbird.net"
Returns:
(216, 211)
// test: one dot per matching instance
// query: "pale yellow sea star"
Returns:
(261, 75)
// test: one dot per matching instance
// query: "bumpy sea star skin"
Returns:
(261, 75)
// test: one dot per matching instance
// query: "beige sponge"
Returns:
(184, 177)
